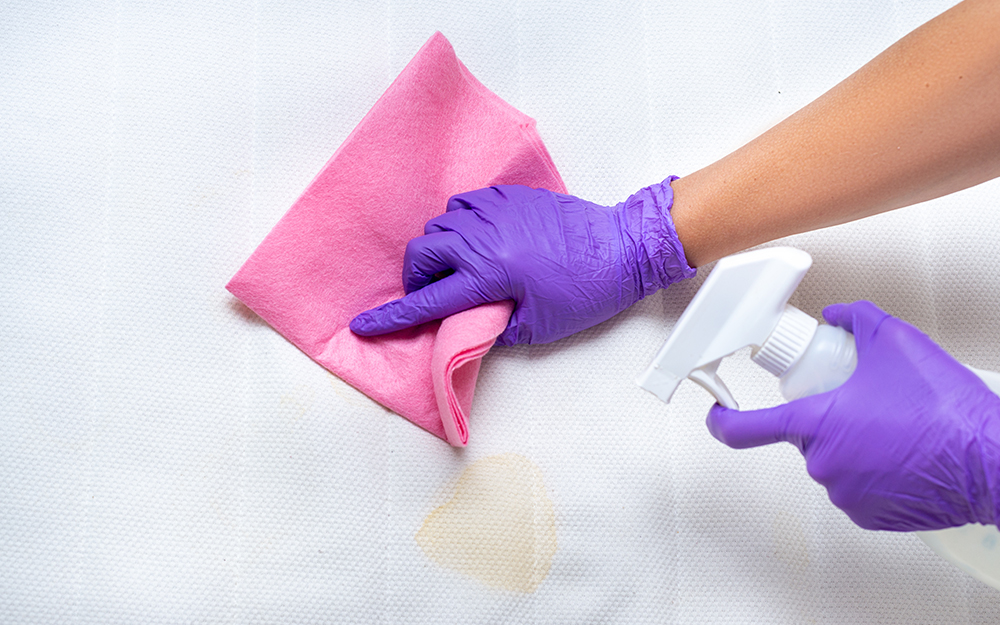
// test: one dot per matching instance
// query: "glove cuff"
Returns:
(649, 239)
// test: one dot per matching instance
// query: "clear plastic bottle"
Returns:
(811, 359)
(828, 362)
(744, 302)
(808, 358)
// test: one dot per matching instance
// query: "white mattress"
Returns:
(166, 457)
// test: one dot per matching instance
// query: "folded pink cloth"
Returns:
(436, 132)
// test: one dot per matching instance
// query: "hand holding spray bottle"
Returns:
(910, 443)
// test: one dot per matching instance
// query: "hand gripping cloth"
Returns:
(436, 132)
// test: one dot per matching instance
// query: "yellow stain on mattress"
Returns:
(499, 527)
(298, 402)
(347, 392)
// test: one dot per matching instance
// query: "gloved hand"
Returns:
(910, 442)
(568, 264)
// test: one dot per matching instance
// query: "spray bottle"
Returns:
(744, 302)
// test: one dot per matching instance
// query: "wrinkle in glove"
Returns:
(436, 132)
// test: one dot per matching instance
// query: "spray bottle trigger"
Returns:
(708, 378)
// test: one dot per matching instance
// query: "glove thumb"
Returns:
(753, 428)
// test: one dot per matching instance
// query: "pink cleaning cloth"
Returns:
(436, 132)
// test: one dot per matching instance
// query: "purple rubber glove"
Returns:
(910, 442)
(568, 264)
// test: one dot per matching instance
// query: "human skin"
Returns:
(919, 121)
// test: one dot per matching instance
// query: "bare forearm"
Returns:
(919, 121)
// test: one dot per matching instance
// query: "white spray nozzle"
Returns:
(740, 304)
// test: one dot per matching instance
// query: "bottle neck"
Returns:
(787, 342)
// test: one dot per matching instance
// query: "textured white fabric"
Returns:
(165, 457)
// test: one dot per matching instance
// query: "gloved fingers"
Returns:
(862, 319)
(789, 422)
(461, 221)
(429, 258)
(460, 201)
(435, 301)
(494, 196)
(442, 223)
(512, 333)
(906, 341)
